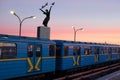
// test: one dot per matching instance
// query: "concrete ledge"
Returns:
(43, 32)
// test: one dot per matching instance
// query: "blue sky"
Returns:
(97, 17)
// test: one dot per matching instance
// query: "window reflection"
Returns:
(30, 50)
(76, 50)
(87, 50)
(66, 50)
(8, 50)
(38, 51)
(52, 50)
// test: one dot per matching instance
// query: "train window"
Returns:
(51, 50)
(96, 51)
(66, 50)
(38, 51)
(58, 50)
(0, 53)
(114, 50)
(109, 50)
(8, 50)
(30, 50)
(87, 50)
(119, 50)
(76, 50)
(104, 50)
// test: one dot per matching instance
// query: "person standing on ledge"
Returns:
(47, 13)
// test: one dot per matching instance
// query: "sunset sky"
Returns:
(99, 18)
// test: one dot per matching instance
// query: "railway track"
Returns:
(92, 73)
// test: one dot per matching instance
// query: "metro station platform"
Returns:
(111, 76)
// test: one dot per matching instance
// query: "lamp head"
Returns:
(33, 17)
(12, 12)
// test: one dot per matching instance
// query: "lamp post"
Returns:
(75, 31)
(21, 21)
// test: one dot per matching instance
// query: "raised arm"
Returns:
(42, 11)
(50, 8)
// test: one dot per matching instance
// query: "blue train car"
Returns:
(115, 53)
(72, 55)
(67, 55)
(25, 56)
(88, 57)
(109, 52)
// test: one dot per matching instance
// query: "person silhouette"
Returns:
(47, 18)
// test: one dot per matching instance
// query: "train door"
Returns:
(119, 53)
(34, 57)
(77, 55)
(96, 53)
(109, 53)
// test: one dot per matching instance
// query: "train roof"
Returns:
(23, 38)
(5, 37)
(84, 43)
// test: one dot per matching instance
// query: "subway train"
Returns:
(27, 56)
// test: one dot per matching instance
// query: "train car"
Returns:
(25, 56)
(67, 55)
(109, 52)
(71, 55)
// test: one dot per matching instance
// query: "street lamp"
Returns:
(75, 31)
(21, 21)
